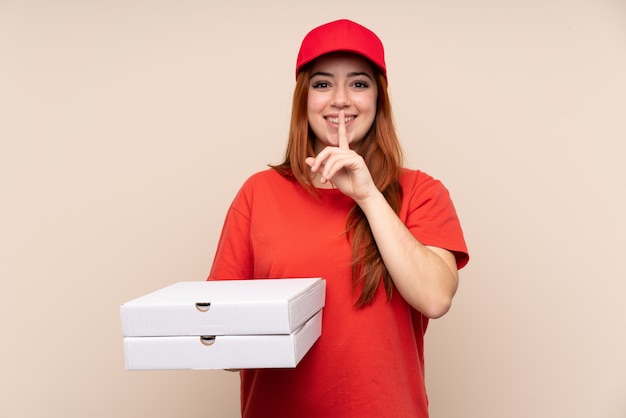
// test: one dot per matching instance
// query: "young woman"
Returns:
(341, 206)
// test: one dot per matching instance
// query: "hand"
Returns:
(343, 167)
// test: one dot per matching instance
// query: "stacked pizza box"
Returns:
(226, 324)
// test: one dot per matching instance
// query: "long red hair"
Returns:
(383, 156)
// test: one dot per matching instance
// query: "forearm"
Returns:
(426, 277)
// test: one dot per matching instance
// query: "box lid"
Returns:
(224, 307)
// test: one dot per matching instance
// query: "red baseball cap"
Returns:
(341, 35)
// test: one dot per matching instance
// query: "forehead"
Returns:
(338, 62)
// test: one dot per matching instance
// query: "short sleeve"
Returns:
(429, 213)
(233, 257)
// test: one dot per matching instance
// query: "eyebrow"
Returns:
(352, 74)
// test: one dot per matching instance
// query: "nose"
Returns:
(341, 97)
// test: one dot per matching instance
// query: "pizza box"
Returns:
(222, 351)
(224, 307)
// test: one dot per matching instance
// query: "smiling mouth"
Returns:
(336, 120)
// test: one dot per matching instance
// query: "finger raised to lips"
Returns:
(341, 131)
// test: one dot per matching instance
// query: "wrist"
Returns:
(371, 200)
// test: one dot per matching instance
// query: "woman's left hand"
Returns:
(426, 277)
(343, 167)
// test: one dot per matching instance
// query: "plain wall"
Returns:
(126, 128)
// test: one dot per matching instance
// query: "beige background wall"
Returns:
(126, 128)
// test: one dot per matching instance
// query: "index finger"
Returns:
(341, 131)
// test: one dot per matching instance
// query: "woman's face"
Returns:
(341, 82)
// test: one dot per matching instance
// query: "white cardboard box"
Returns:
(229, 324)
(222, 351)
(224, 307)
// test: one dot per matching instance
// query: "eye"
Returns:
(360, 84)
(320, 85)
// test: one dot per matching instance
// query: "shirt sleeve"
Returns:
(431, 216)
(233, 257)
